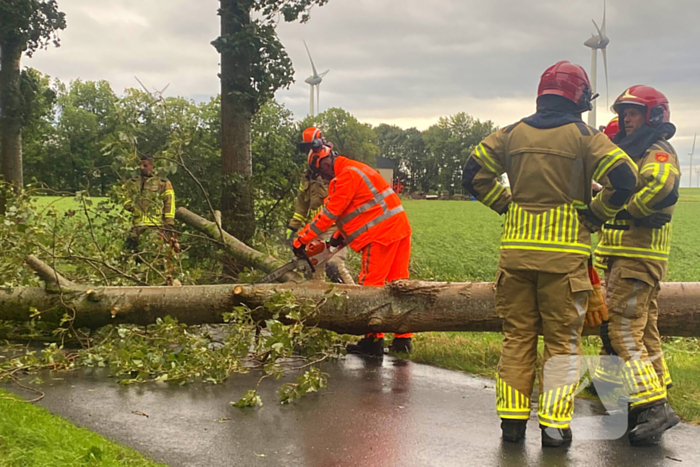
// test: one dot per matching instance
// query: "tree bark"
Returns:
(10, 116)
(234, 247)
(53, 280)
(237, 109)
(403, 306)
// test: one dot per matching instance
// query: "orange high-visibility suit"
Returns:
(370, 218)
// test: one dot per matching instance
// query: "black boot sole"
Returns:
(655, 438)
(356, 351)
(555, 443)
(513, 434)
(513, 439)
(549, 442)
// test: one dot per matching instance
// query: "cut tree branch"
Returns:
(53, 280)
(234, 247)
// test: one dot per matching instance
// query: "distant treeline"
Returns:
(83, 136)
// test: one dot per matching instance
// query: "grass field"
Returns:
(458, 241)
(31, 436)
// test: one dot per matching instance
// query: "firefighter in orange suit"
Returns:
(371, 220)
(542, 283)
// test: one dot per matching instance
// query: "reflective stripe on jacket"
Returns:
(363, 206)
(554, 230)
(657, 191)
(309, 201)
(151, 200)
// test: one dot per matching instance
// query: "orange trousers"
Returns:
(382, 264)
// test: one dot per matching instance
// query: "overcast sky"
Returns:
(405, 62)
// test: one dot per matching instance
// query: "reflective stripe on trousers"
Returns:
(511, 403)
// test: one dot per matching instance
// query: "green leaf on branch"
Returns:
(250, 399)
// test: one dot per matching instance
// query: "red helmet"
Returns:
(315, 157)
(612, 128)
(567, 80)
(312, 140)
(655, 103)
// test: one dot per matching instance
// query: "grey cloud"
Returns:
(398, 59)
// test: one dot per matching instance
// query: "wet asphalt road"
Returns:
(374, 413)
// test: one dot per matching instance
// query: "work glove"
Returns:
(597, 311)
(289, 234)
(299, 249)
(588, 218)
(505, 209)
(654, 221)
(336, 241)
(174, 243)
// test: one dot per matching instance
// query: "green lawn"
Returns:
(32, 437)
(458, 241)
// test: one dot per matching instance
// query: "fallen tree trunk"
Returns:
(234, 247)
(403, 306)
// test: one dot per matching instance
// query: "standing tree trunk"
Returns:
(10, 117)
(237, 109)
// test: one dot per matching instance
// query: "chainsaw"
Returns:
(318, 253)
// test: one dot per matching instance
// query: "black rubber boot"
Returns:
(401, 344)
(555, 437)
(651, 422)
(513, 430)
(373, 346)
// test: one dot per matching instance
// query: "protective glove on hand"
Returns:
(299, 249)
(174, 244)
(597, 311)
(654, 221)
(289, 234)
(589, 219)
(336, 241)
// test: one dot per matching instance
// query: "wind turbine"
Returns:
(597, 42)
(314, 80)
(692, 153)
(157, 95)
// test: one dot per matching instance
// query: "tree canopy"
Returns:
(30, 24)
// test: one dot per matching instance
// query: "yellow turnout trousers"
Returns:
(632, 333)
(530, 303)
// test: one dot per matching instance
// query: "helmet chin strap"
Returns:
(585, 103)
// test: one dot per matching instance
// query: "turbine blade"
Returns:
(607, 89)
(604, 8)
(600, 34)
(313, 67)
(142, 85)
(324, 73)
(693, 151)
(166, 87)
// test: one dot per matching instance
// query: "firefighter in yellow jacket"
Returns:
(542, 283)
(634, 249)
(313, 190)
(151, 200)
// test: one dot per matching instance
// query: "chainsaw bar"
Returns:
(279, 272)
(319, 254)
